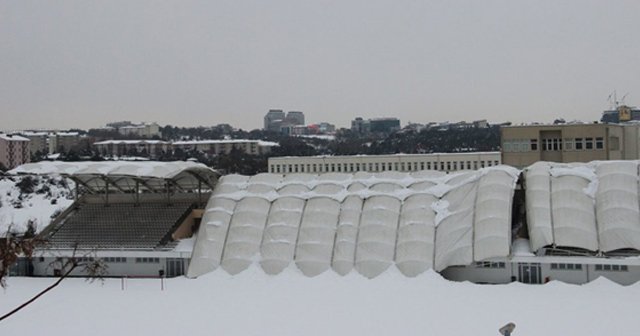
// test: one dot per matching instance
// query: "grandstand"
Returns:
(132, 215)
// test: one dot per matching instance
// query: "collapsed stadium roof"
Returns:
(126, 176)
(365, 221)
(592, 206)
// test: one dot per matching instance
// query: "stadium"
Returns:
(550, 221)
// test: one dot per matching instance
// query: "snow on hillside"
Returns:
(253, 303)
(22, 202)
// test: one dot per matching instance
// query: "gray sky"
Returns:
(84, 63)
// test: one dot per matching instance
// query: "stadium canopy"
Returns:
(362, 221)
(592, 206)
(127, 176)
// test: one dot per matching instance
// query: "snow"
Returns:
(36, 207)
(521, 248)
(253, 303)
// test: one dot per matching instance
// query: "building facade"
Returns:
(38, 142)
(144, 130)
(446, 162)
(215, 147)
(525, 145)
(14, 150)
(145, 148)
(273, 119)
(61, 142)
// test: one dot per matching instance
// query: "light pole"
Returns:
(507, 329)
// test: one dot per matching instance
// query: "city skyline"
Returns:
(69, 65)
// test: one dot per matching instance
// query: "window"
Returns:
(588, 144)
(579, 144)
(568, 144)
(421, 165)
(599, 143)
(429, 165)
(490, 264)
(448, 166)
(534, 144)
(441, 165)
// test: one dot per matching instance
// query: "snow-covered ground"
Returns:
(50, 196)
(253, 303)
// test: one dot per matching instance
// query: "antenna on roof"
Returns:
(613, 100)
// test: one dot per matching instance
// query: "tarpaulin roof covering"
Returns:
(123, 175)
(366, 221)
(593, 206)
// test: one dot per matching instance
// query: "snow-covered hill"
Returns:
(32, 200)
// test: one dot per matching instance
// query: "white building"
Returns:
(446, 162)
(215, 147)
(144, 130)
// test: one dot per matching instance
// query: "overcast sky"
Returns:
(83, 63)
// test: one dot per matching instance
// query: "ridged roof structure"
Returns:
(362, 221)
(126, 176)
(592, 206)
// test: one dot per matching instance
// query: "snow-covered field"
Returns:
(253, 303)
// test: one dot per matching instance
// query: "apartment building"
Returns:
(14, 150)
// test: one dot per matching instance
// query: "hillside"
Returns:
(32, 200)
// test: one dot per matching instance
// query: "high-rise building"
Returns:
(273, 120)
(294, 118)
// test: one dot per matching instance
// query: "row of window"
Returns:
(615, 268)
(381, 166)
(146, 260)
(553, 144)
(115, 259)
(569, 267)
(490, 264)
(578, 267)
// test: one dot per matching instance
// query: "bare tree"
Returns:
(13, 247)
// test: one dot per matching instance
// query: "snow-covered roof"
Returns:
(225, 141)
(366, 221)
(131, 142)
(123, 175)
(594, 206)
(13, 137)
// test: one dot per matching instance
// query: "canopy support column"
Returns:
(137, 193)
(168, 187)
(106, 191)
(199, 193)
